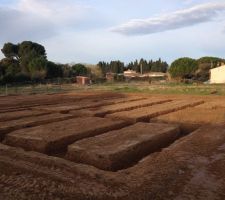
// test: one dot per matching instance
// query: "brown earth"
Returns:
(118, 149)
(192, 167)
(190, 119)
(21, 114)
(95, 103)
(144, 114)
(121, 106)
(58, 135)
(8, 126)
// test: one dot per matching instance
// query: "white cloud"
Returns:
(56, 11)
(40, 19)
(179, 19)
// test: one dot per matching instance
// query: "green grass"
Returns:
(170, 88)
(163, 88)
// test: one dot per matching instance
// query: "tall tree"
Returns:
(183, 68)
(79, 70)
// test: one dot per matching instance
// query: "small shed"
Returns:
(83, 80)
(217, 75)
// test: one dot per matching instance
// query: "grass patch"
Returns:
(164, 88)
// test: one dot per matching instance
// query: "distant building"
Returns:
(130, 73)
(157, 74)
(83, 80)
(110, 76)
(217, 75)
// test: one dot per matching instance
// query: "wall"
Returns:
(218, 75)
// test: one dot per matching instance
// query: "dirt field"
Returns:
(101, 145)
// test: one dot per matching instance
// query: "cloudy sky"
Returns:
(88, 31)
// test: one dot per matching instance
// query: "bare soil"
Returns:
(147, 161)
(8, 126)
(102, 111)
(58, 135)
(144, 114)
(191, 118)
(118, 149)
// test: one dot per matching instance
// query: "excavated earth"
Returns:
(112, 146)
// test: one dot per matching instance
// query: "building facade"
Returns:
(217, 75)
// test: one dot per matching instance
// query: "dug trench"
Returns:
(157, 158)
(124, 144)
(123, 148)
(111, 147)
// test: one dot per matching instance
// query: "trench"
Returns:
(138, 154)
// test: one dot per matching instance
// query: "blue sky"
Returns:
(88, 31)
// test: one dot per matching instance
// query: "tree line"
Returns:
(195, 69)
(138, 66)
(27, 61)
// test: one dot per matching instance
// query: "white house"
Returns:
(217, 74)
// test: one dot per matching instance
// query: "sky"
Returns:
(88, 31)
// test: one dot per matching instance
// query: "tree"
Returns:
(204, 66)
(38, 68)
(31, 48)
(28, 51)
(9, 66)
(54, 70)
(104, 67)
(116, 67)
(79, 70)
(183, 68)
(10, 50)
(212, 61)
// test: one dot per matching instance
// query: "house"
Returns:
(157, 75)
(83, 80)
(130, 73)
(217, 75)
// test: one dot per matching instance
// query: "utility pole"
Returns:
(141, 69)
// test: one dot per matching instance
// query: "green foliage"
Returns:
(116, 67)
(29, 51)
(79, 70)
(204, 66)
(213, 61)
(9, 67)
(104, 67)
(10, 50)
(183, 68)
(148, 66)
(31, 48)
(113, 67)
(38, 68)
(37, 64)
(54, 70)
(25, 61)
